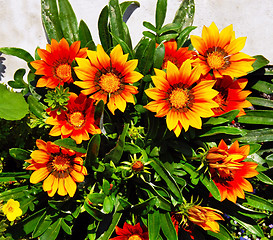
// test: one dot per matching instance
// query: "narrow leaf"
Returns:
(153, 224)
(36, 107)
(183, 36)
(223, 234)
(85, 35)
(224, 130)
(17, 52)
(261, 102)
(185, 13)
(53, 231)
(105, 37)
(260, 62)
(13, 176)
(126, 4)
(42, 225)
(258, 202)
(93, 150)
(159, 55)
(263, 117)
(70, 144)
(257, 136)
(167, 226)
(263, 86)
(160, 14)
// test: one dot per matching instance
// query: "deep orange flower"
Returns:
(221, 52)
(59, 167)
(77, 122)
(55, 65)
(130, 232)
(108, 78)
(178, 96)
(231, 95)
(204, 217)
(176, 56)
(228, 171)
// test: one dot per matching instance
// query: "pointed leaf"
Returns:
(183, 36)
(167, 226)
(42, 225)
(36, 107)
(126, 4)
(13, 176)
(263, 117)
(50, 20)
(93, 150)
(153, 224)
(257, 136)
(258, 202)
(70, 144)
(224, 130)
(263, 86)
(160, 14)
(159, 56)
(85, 36)
(68, 21)
(105, 37)
(210, 185)
(185, 13)
(52, 231)
(17, 52)
(19, 154)
(260, 62)
(261, 102)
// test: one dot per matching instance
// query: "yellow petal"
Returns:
(61, 189)
(39, 175)
(70, 186)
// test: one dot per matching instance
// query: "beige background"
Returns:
(21, 26)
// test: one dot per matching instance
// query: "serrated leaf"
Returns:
(12, 105)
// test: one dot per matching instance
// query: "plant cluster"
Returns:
(164, 140)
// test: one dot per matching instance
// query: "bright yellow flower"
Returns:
(108, 78)
(220, 52)
(12, 209)
(179, 95)
(59, 167)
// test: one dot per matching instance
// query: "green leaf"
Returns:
(42, 225)
(96, 198)
(12, 105)
(116, 153)
(159, 55)
(185, 13)
(149, 34)
(264, 178)
(210, 185)
(224, 130)
(263, 86)
(257, 136)
(215, 121)
(254, 148)
(93, 150)
(124, 46)
(70, 144)
(223, 234)
(85, 36)
(17, 52)
(19, 154)
(14, 193)
(160, 13)
(36, 107)
(31, 78)
(149, 26)
(250, 225)
(115, 219)
(167, 226)
(258, 202)
(263, 117)
(116, 22)
(132, 148)
(167, 37)
(52, 231)
(169, 27)
(261, 102)
(250, 212)
(99, 110)
(260, 62)
(126, 4)
(108, 204)
(105, 37)
(68, 21)
(153, 224)
(231, 115)
(66, 227)
(18, 79)
(94, 212)
(183, 36)
(50, 19)
(12, 176)
(144, 207)
(167, 177)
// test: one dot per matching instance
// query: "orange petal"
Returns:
(39, 175)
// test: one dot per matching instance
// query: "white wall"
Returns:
(21, 26)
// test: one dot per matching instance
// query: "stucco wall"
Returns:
(21, 26)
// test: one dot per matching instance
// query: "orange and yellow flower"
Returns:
(55, 66)
(204, 217)
(176, 56)
(77, 122)
(229, 172)
(108, 78)
(12, 209)
(220, 52)
(179, 97)
(130, 232)
(59, 167)
(231, 95)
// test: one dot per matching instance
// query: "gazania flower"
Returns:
(178, 96)
(108, 78)
(191, 214)
(130, 232)
(176, 56)
(59, 167)
(77, 122)
(229, 172)
(12, 209)
(221, 52)
(231, 96)
(55, 65)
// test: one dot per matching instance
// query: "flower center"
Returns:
(109, 82)
(179, 98)
(60, 163)
(63, 71)
(135, 237)
(138, 166)
(10, 209)
(76, 119)
(217, 58)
